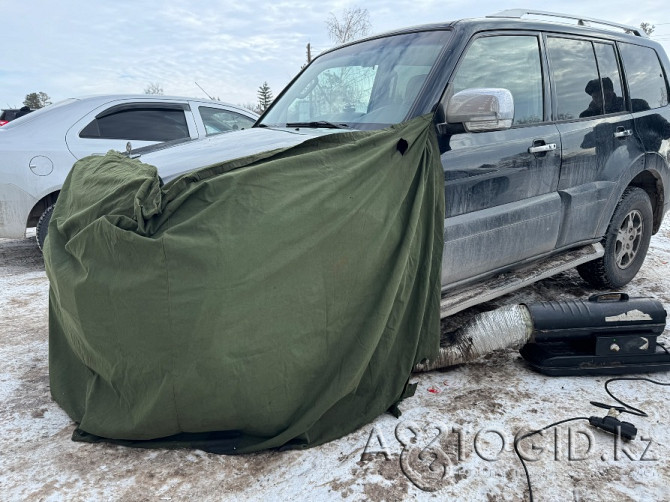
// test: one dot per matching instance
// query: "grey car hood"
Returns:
(180, 158)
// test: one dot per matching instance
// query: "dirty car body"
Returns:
(552, 136)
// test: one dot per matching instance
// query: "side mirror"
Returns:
(480, 110)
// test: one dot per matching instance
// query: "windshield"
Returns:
(369, 85)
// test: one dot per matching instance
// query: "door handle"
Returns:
(542, 148)
(622, 133)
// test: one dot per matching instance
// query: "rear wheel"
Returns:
(43, 226)
(626, 242)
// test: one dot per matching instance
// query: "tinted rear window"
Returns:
(646, 81)
(610, 77)
(140, 124)
(573, 67)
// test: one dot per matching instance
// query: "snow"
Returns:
(454, 438)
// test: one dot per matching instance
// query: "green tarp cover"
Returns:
(282, 297)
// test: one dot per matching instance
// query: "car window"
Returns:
(339, 92)
(612, 90)
(646, 81)
(508, 62)
(141, 124)
(366, 85)
(217, 120)
(575, 77)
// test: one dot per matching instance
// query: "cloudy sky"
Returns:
(72, 48)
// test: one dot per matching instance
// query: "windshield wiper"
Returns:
(318, 123)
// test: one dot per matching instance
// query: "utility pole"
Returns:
(309, 53)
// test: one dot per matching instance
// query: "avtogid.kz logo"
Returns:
(433, 455)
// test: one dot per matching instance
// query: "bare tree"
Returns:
(249, 106)
(254, 107)
(36, 100)
(648, 28)
(354, 23)
(154, 88)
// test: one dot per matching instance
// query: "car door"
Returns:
(597, 131)
(139, 123)
(500, 186)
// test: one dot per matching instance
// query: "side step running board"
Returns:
(501, 284)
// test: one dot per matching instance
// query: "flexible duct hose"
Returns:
(498, 329)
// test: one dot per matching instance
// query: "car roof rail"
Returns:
(581, 20)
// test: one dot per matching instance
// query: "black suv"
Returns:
(10, 114)
(553, 138)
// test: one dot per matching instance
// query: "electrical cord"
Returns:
(608, 423)
(626, 408)
(532, 433)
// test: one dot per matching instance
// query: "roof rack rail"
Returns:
(581, 20)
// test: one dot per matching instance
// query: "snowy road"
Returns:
(476, 410)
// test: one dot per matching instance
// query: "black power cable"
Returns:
(626, 408)
(608, 424)
(532, 433)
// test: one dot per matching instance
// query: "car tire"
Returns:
(43, 226)
(626, 242)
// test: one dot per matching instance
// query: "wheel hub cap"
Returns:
(628, 239)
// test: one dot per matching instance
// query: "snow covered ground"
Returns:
(452, 442)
